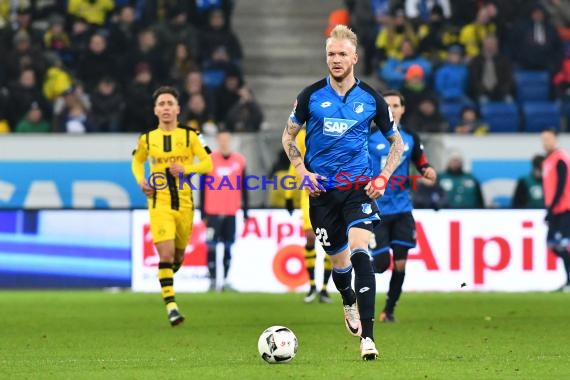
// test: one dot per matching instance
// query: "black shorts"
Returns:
(333, 213)
(559, 230)
(395, 229)
(221, 228)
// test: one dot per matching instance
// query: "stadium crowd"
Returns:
(92, 65)
(469, 66)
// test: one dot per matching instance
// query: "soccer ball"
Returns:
(277, 344)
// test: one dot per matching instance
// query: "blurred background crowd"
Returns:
(464, 66)
(469, 66)
(92, 65)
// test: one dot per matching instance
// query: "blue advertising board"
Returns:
(65, 249)
(65, 184)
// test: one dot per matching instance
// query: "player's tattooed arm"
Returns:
(290, 145)
(395, 154)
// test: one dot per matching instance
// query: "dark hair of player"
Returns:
(165, 90)
(395, 93)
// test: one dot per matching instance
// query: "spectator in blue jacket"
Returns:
(451, 77)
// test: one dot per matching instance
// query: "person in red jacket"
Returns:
(222, 195)
(556, 184)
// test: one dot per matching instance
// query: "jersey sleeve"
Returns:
(300, 113)
(418, 155)
(205, 163)
(140, 154)
(384, 119)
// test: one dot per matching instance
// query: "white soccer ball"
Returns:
(277, 344)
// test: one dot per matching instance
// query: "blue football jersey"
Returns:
(338, 128)
(396, 198)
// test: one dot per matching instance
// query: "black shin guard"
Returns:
(365, 287)
(381, 262)
(342, 278)
(395, 290)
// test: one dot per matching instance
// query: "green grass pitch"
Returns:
(98, 335)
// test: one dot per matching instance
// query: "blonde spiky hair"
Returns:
(343, 32)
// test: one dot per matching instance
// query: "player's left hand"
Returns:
(176, 169)
(376, 191)
(430, 174)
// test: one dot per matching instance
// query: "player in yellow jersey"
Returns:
(172, 150)
(310, 252)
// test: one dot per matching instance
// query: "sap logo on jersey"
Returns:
(337, 127)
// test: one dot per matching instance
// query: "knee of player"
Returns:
(359, 243)
(381, 262)
(400, 265)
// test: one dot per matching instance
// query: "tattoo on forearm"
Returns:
(396, 150)
(293, 151)
(293, 129)
(288, 140)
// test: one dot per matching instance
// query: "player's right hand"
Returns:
(312, 185)
(375, 188)
(146, 189)
(289, 206)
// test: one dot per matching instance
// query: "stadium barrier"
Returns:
(458, 250)
(467, 250)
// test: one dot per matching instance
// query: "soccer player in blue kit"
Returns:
(397, 230)
(338, 111)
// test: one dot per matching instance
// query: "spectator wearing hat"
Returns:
(394, 69)
(415, 90)
(34, 122)
(451, 77)
(491, 74)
